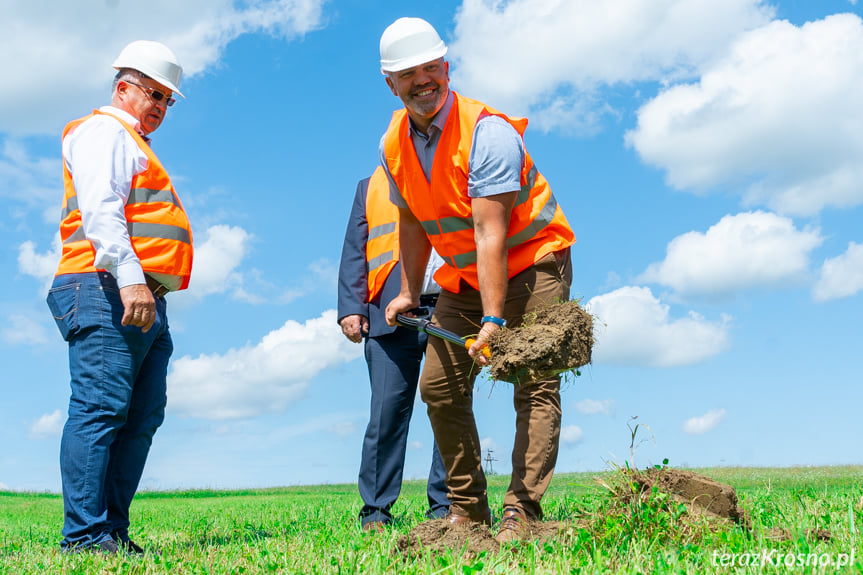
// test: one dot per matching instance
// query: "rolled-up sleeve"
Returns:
(496, 158)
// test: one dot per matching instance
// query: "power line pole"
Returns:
(489, 469)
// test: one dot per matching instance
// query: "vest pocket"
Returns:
(63, 303)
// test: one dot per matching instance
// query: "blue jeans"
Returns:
(394, 368)
(118, 380)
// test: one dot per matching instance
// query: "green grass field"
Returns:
(314, 530)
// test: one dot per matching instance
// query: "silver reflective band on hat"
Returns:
(153, 59)
(409, 42)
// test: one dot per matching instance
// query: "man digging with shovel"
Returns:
(465, 184)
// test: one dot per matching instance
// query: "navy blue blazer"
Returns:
(353, 272)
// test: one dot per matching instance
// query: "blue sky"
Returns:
(707, 155)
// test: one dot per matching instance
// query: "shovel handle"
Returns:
(425, 326)
(468, 341)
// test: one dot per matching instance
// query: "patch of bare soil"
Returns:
(554, 339)
(439, 536)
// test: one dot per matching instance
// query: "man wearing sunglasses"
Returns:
(126, 243)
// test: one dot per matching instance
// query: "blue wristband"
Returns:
(493, 319)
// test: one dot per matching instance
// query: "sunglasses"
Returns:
(153, 93)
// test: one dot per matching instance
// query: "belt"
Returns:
(428, 300)
(158, 289)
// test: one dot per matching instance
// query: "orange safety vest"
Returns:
(158, 227)
(382, 244)
(537, 225)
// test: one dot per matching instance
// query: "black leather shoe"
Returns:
(127, 545)
(107, 547)
(131, 547)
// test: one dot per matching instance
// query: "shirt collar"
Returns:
(126, 117)
(439, 121)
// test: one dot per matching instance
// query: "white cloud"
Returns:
(743, 250)
(3, 486)
(593, 406)
(841, 276)
(549, 56)
(343, 428)
(634, 328)
(41, 266)
(778, 117)
(415, 445)
(261, 378)
(23, 330)
(49, 425)
(56, 47)
(704, 423)
(322, 274)
(30, 182)
(216, 259)
(570, 435)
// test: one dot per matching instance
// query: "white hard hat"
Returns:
(153, 59)
(409, 42)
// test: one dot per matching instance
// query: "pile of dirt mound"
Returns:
(700, 493)
(554, 339)
(438, 536)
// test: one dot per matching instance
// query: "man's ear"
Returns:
(122, 88)
(391, 85)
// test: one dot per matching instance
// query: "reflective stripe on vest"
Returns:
(537, 224)
(136, 196)
(143, 230)
(382, 244)
(158, 227)
(544, 218)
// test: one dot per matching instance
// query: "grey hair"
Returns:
(126, 74)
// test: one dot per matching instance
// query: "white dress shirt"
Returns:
(103, 158)
(430, 286)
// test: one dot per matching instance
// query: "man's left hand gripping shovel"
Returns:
(425, 326)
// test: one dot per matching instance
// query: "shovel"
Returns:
(425, 326)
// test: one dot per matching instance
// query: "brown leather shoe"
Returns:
(513, 526)
(375, 527)
(458, 519)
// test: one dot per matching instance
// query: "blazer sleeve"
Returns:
(353, 269)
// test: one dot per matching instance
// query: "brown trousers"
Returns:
(447, 384)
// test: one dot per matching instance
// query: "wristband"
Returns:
(493, 319)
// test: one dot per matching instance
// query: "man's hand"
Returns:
(139, 306)
(402, 303)
(475, 350)
(354, 326)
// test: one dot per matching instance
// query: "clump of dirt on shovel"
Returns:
(554, 339)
